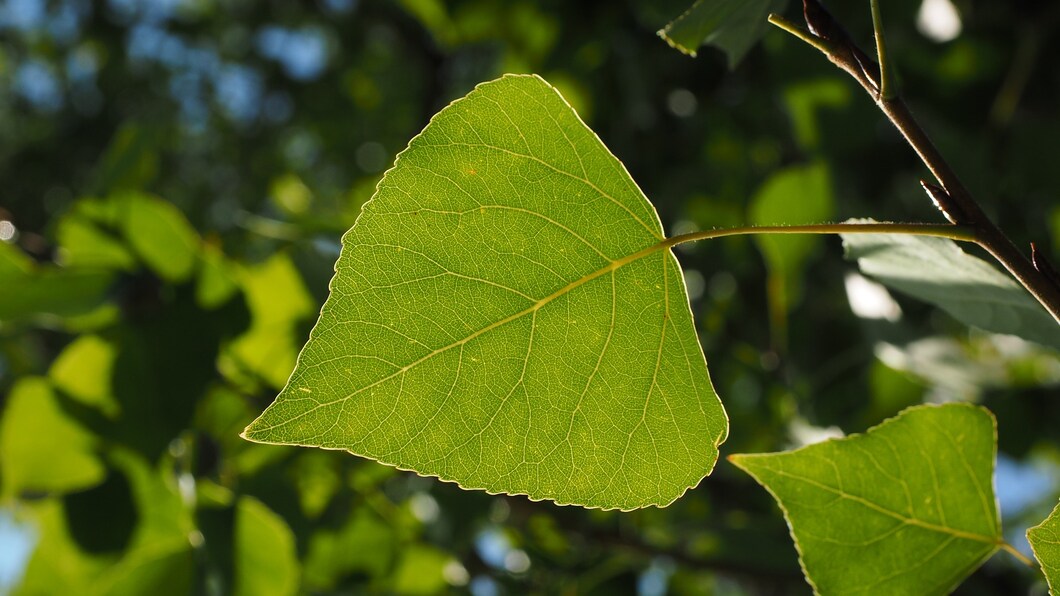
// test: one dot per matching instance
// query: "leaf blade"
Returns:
(733, 26)
(940, 526)
(517, 283)
(937, 271)
(1045, 542)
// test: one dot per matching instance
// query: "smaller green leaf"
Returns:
(30, 289)
(158, 559)
(160, 234)
(732, 26)
(83, 371)
(83, 244)
(41, 449)
(1045, 541)
(131, 159)
(266, 563)
(421, 570)
(907, 508)
(167, 567)
(278, 301)
(365, 544)
(797, 195)
(217, 281)
(936, 270)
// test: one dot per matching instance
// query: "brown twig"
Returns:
(961, 203)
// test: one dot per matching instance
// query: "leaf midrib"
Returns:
(912, 521)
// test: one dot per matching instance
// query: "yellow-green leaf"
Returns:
(506, 315)
(906, 508)
(266, 563)
(41, 448)
(1045, 541)
(733, 26)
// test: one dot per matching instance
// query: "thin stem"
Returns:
(987, 234)
(799, 32)
(958, 233)
(887, 85)
(1015, 553)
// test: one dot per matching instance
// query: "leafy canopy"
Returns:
(907, 508)
(506, 315)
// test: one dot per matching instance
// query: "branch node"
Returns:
(1043, 265)
(944, 203)
(843, 51)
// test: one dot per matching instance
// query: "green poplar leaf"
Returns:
(970, 289)
(907, 508)
(1045, 542)
(506, 315)
(266, 561)
(41, 448)
(160, 235)
(732, 26)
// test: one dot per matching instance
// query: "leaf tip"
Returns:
(664, 33)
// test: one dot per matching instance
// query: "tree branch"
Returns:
(986, 234)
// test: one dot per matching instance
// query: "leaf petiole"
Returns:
(1017, 554)
(801, 33)
(958, 233)
(888, 87)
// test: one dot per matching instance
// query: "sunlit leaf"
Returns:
(57, 565)
(30, 289)
(217, 280)
(365, 544)
(907, 508)
(83, 371)
(936, 270)
(505, 315)
(278, 301)
(165, 568)
(158, 559)
(41, 448)
(798, 195)
(266, 563)
(160, 234)
(83, 244)
(733, 26)
(421, 570)
(1045, 541)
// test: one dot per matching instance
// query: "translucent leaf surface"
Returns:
(797, 195)
(83, 371)
(157, 560)
(266, 563)
(733, 26)
(30, 289)
(936, 270)
(907, 508)
(1045, 540)
(505, 315)
(41, 448)
(421, 571)
(160, 234)
(278, 301)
